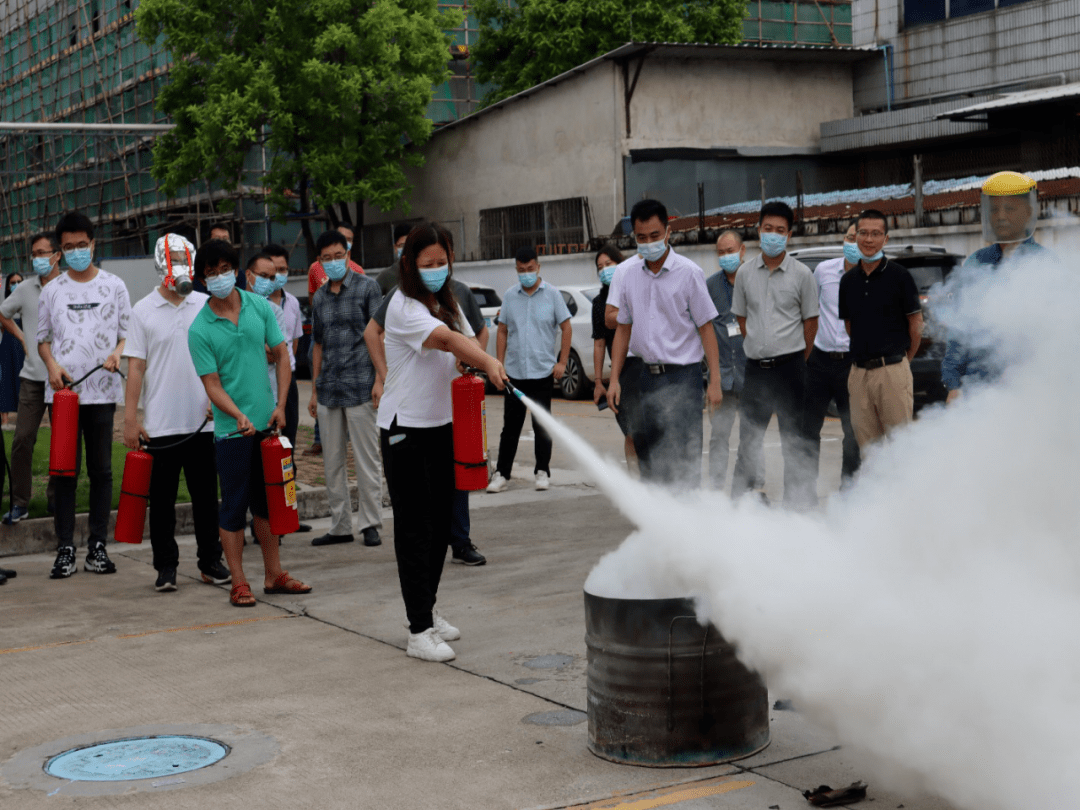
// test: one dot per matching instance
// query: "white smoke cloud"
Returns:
(930, 615)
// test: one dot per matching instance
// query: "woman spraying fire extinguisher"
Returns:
(425, 331)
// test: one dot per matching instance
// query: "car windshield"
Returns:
(486, 297)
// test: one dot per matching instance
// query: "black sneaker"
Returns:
(98, 561)
(166, 580)
(65, 563)
(371, 537)
(468, 555)
(216, 574)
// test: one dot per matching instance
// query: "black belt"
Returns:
(880, 362)
(834, 355)
(663, 368)
(773, 362)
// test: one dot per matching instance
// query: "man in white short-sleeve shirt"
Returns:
(82, 323)
(23, 303)
(175, 429)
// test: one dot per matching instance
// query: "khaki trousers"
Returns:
(340, 426)
(881, 399)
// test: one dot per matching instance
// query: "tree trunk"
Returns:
(305, 223)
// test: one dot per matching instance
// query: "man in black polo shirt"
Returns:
(879, 304)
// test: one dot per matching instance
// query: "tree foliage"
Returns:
(335, 90)
(534, 40)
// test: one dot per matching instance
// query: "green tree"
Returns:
(522, 45)
(335, 90)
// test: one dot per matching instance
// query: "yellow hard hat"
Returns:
(1005, 184)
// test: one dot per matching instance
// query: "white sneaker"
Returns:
(498, 483)
(542, 481)
(446, 631)
(429, 646)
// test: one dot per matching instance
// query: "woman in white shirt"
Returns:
(425, 331)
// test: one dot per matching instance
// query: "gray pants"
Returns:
(28, 420)
(356, 424)
(721, 422)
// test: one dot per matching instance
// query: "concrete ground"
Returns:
(321, 704)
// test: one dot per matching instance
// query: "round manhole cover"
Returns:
(136, 758)
(549, 662)
(560, 717)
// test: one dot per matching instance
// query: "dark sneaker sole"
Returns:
(102, 570)
(168, 586)
(209, 580)
(458, 561)
(62, 574)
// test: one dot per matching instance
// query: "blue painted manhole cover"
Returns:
(136, 758)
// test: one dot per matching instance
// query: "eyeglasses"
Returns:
(334, 258)
(210, 272)
(43, 254)
(79, 246)
(871, 234)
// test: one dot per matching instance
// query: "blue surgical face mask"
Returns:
(78, 259)
(851, 252)
(398, 252)
(280, 280)
(336, 269)
(607, 274)
(773, 244)
(729, 262)
(11, 289)
(221, 285)
(652, 251)
(42, 265)
(348, 247)
(873, 258)
(264, 286)
(435, 277)
(527, 280)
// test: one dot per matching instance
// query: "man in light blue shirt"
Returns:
(532, 317)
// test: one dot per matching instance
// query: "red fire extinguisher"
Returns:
(470, 433)
(278, 473)
(64, 441)
(134, 496)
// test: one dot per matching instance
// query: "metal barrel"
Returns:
(663, 691)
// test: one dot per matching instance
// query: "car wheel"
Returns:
(572, 384)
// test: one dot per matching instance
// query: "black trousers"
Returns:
(669, 438)
(826, 380)
(778, 390)
(419, 467)
(292, 411)
(514, 418)
(196, 459)
(95, 430)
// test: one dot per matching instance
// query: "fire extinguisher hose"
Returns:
(87, 374)
(187, 438)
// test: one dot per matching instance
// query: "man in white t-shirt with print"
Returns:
(175, 429)
(82, 323)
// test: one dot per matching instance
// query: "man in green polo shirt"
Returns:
(228, 341)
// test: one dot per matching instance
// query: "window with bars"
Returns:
(555, 226)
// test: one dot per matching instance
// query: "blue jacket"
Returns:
(732, 357)
(963, 361)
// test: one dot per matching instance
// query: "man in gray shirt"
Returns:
(23, 305)
(776, 303)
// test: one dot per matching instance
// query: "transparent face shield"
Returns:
(1009, 218)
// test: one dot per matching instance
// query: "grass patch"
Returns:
(40, 475)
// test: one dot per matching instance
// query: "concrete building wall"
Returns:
(737, 103)
(560, 142)
(1031, 44)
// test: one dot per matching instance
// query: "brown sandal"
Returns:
(241, 595)
(286, 584)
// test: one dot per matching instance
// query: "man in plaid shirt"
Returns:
(341, 400)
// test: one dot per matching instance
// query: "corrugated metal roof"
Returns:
(1023, 99)
(690, 50)
(893, 200)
